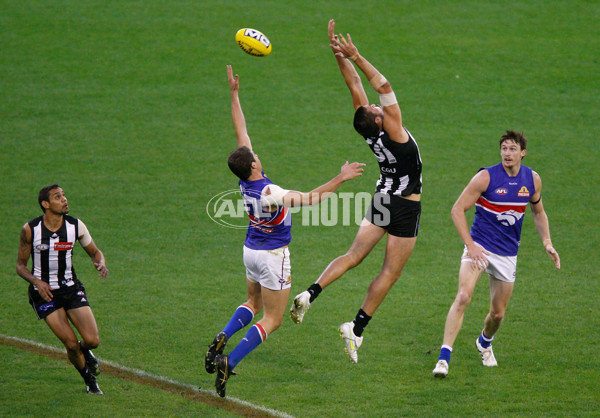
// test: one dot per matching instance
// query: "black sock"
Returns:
(314, 291)
(360, 322)
(84, 350)
(85, 373)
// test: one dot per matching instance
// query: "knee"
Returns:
(72, 347)
(462, 299)
(352, 259)
(92, 343)
(497, 316)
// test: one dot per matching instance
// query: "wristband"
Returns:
(354, 57)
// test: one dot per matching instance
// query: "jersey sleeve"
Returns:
(84, 236)
(272, 195)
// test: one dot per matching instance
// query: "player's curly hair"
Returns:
(516, 137)
(240, 162)
(364, 122)
(44, 195)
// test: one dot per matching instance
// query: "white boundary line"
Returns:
(142, 373)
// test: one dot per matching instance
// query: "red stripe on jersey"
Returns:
(501, 207)
(261, 331)
(275, 221)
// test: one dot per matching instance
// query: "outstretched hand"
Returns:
(340, 46)
(349, 171)
(333, 38)
(234, 83)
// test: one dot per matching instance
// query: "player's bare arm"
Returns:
(347, 172)
(351, 77)
(22, 260)
(392, 121)
(476, 187)
(540, 218)
(97, 258)
(239, 121)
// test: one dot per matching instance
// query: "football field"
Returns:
(126, 105)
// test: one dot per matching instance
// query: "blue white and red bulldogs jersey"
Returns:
(500, 210)
(266, 230)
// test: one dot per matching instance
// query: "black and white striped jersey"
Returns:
(52, 252)
(400, 165)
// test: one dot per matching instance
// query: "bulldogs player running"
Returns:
(500, 194)
(395, 209)
(266, 252)
(55, 293)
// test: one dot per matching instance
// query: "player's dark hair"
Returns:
(44, 195)
(516, 137)
(240, 162)
(364, 122)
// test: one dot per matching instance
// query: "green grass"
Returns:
(126, 105)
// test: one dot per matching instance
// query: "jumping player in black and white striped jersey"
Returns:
(55, 293)
(395, 208)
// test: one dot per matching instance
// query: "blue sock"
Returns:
(485, 341)
(255, 335)
(445, 353)
(242, 316)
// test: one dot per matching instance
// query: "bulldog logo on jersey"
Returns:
(509, 218)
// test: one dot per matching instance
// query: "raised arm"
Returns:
(541, 220)
(239, 121)
(392, 121)
(351, 77)
(290, 198)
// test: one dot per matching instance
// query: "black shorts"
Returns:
(397, 215)
(69, 298)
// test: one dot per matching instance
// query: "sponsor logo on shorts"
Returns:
(80, 293)
(46, 306)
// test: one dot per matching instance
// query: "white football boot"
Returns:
(352, 342)
(300, 307)
(441, 369)
(487, 355)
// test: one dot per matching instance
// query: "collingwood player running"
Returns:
(395, 208)
(55, 293)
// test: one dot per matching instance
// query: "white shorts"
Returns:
(501, 267)
(270, 268)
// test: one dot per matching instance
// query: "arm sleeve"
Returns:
(84, 236)
(275, 196)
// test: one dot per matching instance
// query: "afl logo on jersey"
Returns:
(501, 191)
(42, 247)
